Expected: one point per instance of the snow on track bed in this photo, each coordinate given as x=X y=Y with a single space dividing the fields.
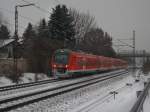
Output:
x=13 y=89
x=15 y=100
x=101 y=101
x=17 y=86
x=53 y=101
x=146 y=105
x=109 y=104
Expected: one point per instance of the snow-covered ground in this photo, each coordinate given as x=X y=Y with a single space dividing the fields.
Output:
x=123 y=101
x=95 y=98
x=146 y=105
x=26 y=77
x=32 y=77
x=5 y=81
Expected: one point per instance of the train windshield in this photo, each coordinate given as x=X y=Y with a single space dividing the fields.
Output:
x=61 y=58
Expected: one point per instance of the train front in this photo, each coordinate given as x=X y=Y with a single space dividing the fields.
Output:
x=60 y=63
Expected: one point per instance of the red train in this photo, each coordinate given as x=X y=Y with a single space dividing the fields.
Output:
x=67 y=63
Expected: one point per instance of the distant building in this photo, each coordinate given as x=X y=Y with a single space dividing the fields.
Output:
x=6 y=48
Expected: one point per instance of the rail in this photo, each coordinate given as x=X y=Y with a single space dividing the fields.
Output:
x=17 y=86
x=138 y=106
x=15 y=101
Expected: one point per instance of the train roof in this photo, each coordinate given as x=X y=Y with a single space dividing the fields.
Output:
x=83 y=53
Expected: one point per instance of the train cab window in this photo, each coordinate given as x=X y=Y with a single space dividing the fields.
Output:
x=61 y=58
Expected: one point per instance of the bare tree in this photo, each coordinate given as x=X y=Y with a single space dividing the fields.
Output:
x=97 y=42
x=83 y=22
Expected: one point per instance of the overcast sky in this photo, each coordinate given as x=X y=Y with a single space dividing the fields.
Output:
x=117 y=17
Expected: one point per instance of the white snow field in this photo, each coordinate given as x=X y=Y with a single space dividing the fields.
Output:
x=26 y=78
x=32 y=77
x=94 y=98
x=123 y=101
x=146 y=105
x=5 y=81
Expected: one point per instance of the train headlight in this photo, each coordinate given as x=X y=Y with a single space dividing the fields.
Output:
x=54 y=66
x=66 y=66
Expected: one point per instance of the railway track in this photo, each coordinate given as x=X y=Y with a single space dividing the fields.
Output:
x=11 y=102
x=98 y=101
x=13 y=89
x=6 y=90
x=17 y=86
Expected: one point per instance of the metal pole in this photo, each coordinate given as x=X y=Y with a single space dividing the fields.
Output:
x=16 y=38
x=16 y=22
x=134 y=59
x=15 y=42
x=144 y=56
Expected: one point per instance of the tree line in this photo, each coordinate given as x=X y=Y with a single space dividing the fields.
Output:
x=66 y=28
x=146 y=66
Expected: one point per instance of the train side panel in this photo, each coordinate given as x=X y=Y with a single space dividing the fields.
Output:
x=80 y=63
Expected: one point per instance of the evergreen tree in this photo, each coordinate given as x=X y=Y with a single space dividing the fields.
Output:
x=29 y=33
x=28 y=40
x=4 y=32
x=42 y=46
x=61 y=25
x=38 y=47
x=146 y=66
x=42 y=30
x=45 y=46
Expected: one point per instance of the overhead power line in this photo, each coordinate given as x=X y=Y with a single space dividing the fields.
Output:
x=125 y=43
x=11 y=12
x=38 y=7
